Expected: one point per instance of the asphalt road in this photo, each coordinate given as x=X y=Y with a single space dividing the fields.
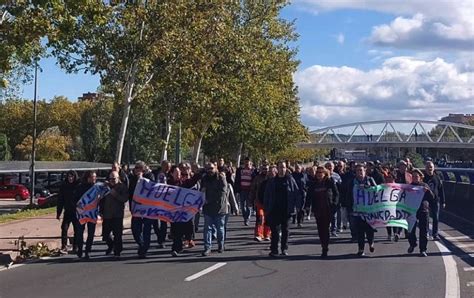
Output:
x=248 y=271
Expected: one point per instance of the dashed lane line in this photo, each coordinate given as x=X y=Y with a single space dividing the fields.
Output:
x=204 y=272
x=468 y=268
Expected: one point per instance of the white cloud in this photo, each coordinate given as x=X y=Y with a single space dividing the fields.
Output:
x=423 y=24
x=402 y=88
x=340 y=38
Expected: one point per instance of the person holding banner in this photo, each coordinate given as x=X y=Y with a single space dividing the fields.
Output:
x=422 y=215
x=141 y=227
x=215 y=209
x=363 y=229
x=88 y=180
x=111 y=207
x=181 y=229
x=324 y=196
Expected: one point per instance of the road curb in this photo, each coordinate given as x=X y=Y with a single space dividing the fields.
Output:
x=8 y=258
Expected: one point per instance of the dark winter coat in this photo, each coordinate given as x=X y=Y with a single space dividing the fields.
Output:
x=112 y=205
x=325 y=189
x=67 y=200
x=294 y=196
x=436 y=187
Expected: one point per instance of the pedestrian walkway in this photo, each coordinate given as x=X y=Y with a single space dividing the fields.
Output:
x=46 y=229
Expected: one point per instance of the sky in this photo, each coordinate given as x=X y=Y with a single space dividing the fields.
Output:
x=360 y=60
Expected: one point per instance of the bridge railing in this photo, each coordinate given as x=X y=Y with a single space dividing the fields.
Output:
x=458 y=186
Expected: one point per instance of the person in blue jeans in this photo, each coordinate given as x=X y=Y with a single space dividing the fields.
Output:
x=215 y=209
x=141 y=227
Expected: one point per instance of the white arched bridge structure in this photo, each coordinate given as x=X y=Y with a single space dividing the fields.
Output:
x=393 y=134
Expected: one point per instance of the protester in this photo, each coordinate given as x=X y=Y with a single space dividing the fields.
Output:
x=181 y=229
x=346 y=193
x=324 y=196
x=280 y=199
x=111 y=209
x=336 y=220
x=88 y=180
x=300 y=179
x=122 y=174
x=402 y=176
x=243 y=182
x=363 y=229
x=342 y=213
x=261 y=230
x=422 y=215
x=436 y=186
x=310 y=174
x=215 y=208
x=141 y=227
x=67 y=201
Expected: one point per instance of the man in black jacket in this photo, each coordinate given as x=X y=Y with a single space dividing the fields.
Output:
x=67 y=202
x=436 y=186
x=112 y=211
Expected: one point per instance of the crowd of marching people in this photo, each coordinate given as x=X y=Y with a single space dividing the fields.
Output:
x=278 y=195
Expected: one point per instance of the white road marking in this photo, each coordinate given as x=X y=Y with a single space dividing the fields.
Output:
x=11 y=267
x=468 y=268
x=457 y=238
x=464 y=245
x=470 y=284
x=205 y=271
x=452 y=276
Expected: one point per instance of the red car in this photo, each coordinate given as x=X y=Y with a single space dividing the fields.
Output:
x=17 y=191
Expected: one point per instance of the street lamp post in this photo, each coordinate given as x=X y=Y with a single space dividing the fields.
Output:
x=33 y=149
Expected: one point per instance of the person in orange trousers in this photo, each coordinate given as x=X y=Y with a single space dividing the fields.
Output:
x=262 y=230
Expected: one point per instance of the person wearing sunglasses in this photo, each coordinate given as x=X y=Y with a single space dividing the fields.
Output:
x=111 y=208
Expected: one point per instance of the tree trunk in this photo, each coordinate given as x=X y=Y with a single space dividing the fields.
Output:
x=164 y=152
x=197 y=148
x=126 y=113
x=198 y=142
x=239 y=155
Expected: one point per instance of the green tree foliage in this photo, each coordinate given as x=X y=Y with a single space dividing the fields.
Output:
x=50 y=146
x=95 y=131
x=221 y=68
x=4 y=148
x=22 y=26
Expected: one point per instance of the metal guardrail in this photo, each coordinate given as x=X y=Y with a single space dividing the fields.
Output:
x=458 y=186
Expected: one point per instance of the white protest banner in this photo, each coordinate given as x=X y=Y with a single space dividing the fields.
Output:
x=87 y=207
x=165 y=202
x=388 y=205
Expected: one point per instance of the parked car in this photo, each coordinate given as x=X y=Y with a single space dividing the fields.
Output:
x=17 y=191
x=54 y=187
x=49 y=201
x=41 y=191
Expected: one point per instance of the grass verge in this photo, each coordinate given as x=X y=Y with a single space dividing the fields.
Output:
x=27 y=212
